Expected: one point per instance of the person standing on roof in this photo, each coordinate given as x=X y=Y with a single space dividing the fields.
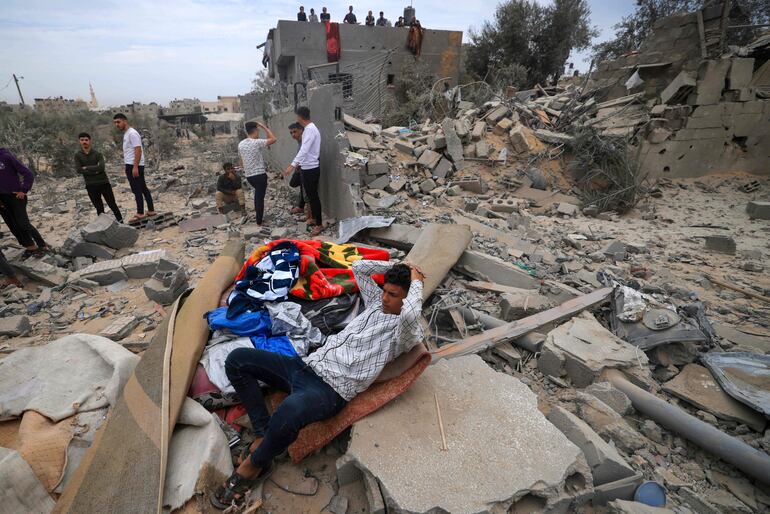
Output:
x=325 y=16
x=15 y=183
x=382 y=21
x=313 y=16
x=350 y=17
x=253 y=163
x=133 y=159
x=301 y=16
x=400 y=22
x=308 y=160
x=90 y=164
x=369 y=22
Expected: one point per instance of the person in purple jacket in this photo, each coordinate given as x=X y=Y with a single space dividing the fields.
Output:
x=15 y=182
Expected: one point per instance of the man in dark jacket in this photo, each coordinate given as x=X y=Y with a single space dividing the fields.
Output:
x=229 y=189
x=15 y=182
x=350 y=17
x=90 y=164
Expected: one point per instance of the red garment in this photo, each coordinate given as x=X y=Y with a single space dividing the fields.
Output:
x=333 y=48
x=325 y=268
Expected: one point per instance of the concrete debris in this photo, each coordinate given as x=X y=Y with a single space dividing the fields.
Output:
x=629 y=507
x=76 y=246
x=758 y=210
x=608 y=423
x=14 y=326
x=520 y=304
x=696 y=385
x=721 y=244
x=582 y=348
x=107 y=231
x=167 y=283
x=119 y=328
x=536 y=463
x=610 y=395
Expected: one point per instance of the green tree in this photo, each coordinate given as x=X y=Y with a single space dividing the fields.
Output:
x=526 y=33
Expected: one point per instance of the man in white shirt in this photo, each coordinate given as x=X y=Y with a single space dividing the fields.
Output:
x=133 y=159
x=253 y=163
x=308 y=160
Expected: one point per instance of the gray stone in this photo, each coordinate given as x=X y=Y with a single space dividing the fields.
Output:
x=582 y=348
x=377 y=166
x=443 y=169
x=711 y=81
x=567 y=209
x=611 y=396
x=503 y=126
x=454 y=147
x=380 y=182
x=552 y=137
x=15 y=326
x=105 y=272
x=382 y=202
x=337 y=505
x=518 y=305
x=607 y=465
x=740 y=74
x=40 y=271
x=608 y=423
x=679 y=88
x=498 y=113
x=721 y=244
x=120 y=327
x=107 y=231
x=479 y=129
x=76 y=246
x=373 y=495
x=439 y=142
x=474 y=185
x=652 y=431
x=758 y=210
x=400 y=445
x=521 y=139
x=429 y=159
x=481 y=266
x=622 y=489
x=462 y=129
x=143 y=264
x=168 y=282
x=615 y=250
x=483 y=149
x=396 y=185
x=81 y=263
x=428 y=185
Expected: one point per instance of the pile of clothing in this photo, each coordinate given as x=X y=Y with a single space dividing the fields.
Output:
x=288 y=296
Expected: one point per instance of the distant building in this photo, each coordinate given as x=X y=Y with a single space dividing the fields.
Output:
x=150 y=110
x=184 y=106
x=59 y=105
x=222 y=104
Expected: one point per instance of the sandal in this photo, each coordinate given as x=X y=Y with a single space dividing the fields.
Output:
x=233 y=493
x=137 y=218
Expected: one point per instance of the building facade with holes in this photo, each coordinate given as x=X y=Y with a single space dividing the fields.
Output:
x=372 y=60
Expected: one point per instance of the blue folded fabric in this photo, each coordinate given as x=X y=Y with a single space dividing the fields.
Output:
x=275 y=344
x=247 y=323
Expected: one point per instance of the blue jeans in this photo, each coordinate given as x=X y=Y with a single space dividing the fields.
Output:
x=310 y=398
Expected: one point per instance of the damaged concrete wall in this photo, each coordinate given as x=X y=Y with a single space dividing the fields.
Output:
x=338 y=197
x=297 y=45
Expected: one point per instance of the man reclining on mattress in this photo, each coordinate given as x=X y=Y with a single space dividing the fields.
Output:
x=320 y=384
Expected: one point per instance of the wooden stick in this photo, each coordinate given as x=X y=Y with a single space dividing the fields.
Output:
x=444 y=447
x=741 y=290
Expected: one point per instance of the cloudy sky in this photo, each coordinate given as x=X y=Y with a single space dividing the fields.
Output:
x=145 y=50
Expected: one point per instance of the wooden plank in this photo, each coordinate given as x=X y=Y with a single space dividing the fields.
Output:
x=492 y=287
x=518 y=328
x=743 y=291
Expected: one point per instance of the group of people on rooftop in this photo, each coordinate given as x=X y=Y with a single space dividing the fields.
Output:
x=350 y=18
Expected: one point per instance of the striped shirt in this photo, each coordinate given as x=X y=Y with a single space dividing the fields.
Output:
x=351 y=360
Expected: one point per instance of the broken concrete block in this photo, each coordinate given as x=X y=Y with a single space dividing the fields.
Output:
x=622 y=489
x=497 y=114
x=607 y=465
x=380 y=182
x=630 y=507
x=167 y=283
x=396 y=185
x=404 y=146
x=721 y=244
x=522 y=140
x=454 y=147
x=615 y=250
x=610 y=395
x=377 y=166
x=696 y=385
x=439 y=142
x=106 y=230
x=374 y=495
x=477 y=405
x=678 y=90
x=470 y=150
x=379 y=203
x=481 y=266
x=507 y=205
x=46 y=274
x=105 y=273
x=428 y=185
x=556 y=138
x=758 y=210
x=518 y=305
x=483 y=150
x=429 y=159
x=608 y=423
x=582 y=348
x=711 y=82
x=503 y=126
x=474 y=185
x=143 y=264
x=14 y=326
x=567 y=209
x=479 y=129
x=740 y=74
x=120 y=327
x=76 y=246
x=443 y=169
x=462 y=129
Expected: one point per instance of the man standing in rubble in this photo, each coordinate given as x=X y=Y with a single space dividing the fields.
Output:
x=322 y=383
x=133 y=159
x=90 y=164
x=15 y=183
x=253 y=163
x=350 y=17
x=308 y=161
x=229 y=189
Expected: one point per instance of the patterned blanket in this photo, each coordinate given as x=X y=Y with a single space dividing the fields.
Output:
x=325 y=268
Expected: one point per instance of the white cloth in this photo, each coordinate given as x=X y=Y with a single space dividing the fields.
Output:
x=313 y=17
x=250 y=151
x=310 y=150
x=351 y=360
x=213 y=361
x=132 y=139
x=287 y=319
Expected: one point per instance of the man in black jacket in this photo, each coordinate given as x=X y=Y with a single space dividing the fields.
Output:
x=90 y=164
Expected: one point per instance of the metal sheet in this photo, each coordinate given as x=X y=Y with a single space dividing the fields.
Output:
x=744 y=376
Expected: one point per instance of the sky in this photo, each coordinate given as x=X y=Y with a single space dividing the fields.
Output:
x=158 y=50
